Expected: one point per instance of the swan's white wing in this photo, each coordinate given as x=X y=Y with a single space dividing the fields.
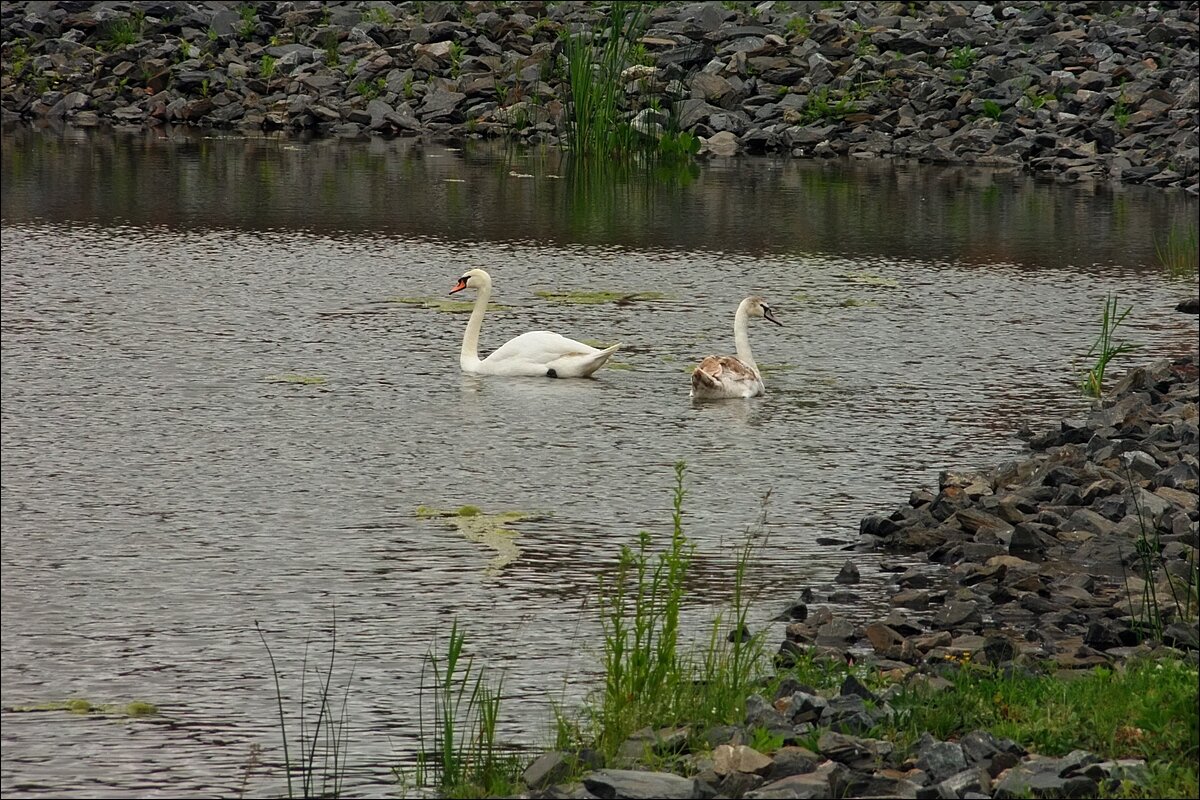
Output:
x=540 y=347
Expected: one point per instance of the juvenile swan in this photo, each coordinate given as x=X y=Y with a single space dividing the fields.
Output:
x=537 y=354
x=726 y=376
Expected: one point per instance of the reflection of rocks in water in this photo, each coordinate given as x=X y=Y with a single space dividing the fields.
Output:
x=486 y=529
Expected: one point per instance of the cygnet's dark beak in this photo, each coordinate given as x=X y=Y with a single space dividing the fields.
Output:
x=769 y=315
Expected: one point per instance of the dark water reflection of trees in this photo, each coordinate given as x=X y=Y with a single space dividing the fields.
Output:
x=489 y=192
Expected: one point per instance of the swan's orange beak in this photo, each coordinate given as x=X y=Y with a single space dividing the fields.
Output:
x=458 y=287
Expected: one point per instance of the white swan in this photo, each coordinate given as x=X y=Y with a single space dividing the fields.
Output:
x=726 y=376
x=538 y=354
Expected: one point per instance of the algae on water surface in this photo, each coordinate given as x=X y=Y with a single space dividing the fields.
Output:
x=489 y=530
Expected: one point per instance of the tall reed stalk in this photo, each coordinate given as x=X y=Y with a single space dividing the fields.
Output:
x=1153 y=612
x=1106 y=348
x=595 y=60
x=323 y=743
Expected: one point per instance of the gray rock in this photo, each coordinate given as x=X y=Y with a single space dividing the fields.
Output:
x=1041 y=779
x=805 y=707
x=957 y=614
x=836 y=631
x=792 y=761
x=968 y=783
x=637 y=785
x=440 y=103
x=808 y=786
x=548 y=768
x=761 y=714
x=942 y=760
x=1181 y=635
x=849 y=573
x=852 y=751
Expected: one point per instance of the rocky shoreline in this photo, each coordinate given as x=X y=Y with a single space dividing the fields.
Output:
x=1076 y=91
x=1034 y=564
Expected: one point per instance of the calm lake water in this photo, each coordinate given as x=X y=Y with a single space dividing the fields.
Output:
x=161 y=493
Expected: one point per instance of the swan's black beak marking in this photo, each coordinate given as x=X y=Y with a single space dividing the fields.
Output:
x=458 y=287
x=769 y=315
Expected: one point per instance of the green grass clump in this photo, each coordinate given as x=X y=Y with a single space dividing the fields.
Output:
x=992 y=109
x=369 y=90
x=963 y=57
x=1106 y=348
x=380 y=16
x=121 y=32
x=594 y=124
x=1145 y=709
x=648 y=681
x=459 y=751
x=799 y=26
x=821 y=107
x=1179 y=252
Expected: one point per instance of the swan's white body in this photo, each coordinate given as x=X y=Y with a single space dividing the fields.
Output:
x=720 y=377
x=537 y=354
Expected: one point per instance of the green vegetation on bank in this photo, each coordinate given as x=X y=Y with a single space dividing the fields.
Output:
x=655 y=688
x=600 y=123
x=595 y=61
x=649 y=680
x=1145 y=709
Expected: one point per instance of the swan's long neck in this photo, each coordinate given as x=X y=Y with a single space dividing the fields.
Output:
x=469 y=355
x=741 y=338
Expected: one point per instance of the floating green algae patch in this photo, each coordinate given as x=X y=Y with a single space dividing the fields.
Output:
x=771 y=369
x=440 y=304
x=854 y=302
x=84 y=707
x=592 y=298
x=291 y=377
x=488 y=530
x=867 y=279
